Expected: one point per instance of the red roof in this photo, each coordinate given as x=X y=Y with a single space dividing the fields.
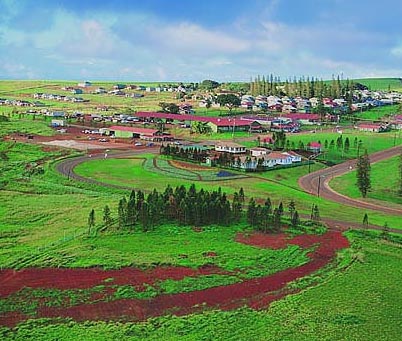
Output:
x=314 y=145
x=370 y=125
x=219 y=121
x=301 y=116
x=134 y=129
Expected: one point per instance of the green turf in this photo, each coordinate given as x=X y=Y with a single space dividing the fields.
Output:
x=384 y=182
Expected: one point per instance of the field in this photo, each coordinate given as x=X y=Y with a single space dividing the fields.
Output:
x=61 y=280
x=385 y=84
x=384 y=180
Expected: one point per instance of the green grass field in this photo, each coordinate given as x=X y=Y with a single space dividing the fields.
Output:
x=384 y=182
x=43 y=222
x=385 y=84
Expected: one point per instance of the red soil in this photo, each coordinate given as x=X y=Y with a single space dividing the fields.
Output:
x=256 y=293
x=12 y=281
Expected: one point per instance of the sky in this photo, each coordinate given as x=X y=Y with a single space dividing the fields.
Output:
x=193 y=40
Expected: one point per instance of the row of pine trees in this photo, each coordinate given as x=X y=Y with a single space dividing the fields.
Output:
x=193 y=207
x=304 y=87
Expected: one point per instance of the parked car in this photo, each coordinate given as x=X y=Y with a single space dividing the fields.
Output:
x=103 y=140
x=138 y=144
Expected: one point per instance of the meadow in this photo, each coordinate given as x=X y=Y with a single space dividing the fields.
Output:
x=44 y=223
x=384 y=178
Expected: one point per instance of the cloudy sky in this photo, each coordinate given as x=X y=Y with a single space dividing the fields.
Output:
x=192 y=40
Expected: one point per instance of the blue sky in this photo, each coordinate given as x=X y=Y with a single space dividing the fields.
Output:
x=192 y=40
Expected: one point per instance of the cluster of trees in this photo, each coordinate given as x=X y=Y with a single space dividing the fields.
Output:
x=179 y=205
x=171 y=108
x=304 y=87
x=194 y=154
x=266 y=218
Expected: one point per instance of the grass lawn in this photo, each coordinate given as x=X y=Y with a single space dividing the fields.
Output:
x=384 y=182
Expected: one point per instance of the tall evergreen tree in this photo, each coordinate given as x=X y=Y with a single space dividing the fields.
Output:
x=363 y=174
x=107 y=217
x=91 y=221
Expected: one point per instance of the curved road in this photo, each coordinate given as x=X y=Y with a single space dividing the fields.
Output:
x=317 y=183
x=66 y=166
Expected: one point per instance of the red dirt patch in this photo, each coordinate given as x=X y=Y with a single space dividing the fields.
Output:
x=189 y=166
x=12 y=281
x=263 y=240
x=256 y=293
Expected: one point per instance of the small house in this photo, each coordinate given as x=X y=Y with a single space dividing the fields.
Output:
x=230 y=147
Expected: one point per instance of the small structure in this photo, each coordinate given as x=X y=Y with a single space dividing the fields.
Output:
x=314 y=147
x=372 y=127
x=258 y=151
x=58 y=123
x=85 y=84
x=230 y=147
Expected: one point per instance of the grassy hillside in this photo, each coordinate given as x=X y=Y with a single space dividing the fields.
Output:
x=393 y=84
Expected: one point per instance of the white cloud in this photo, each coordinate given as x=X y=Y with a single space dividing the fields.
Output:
x=193 y=39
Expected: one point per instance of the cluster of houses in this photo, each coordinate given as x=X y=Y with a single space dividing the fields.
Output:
x=16 y=102
x=58 y=97
x=362 y=100
x=253 y=158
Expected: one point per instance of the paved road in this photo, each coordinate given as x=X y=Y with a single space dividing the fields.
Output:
x=317 y=183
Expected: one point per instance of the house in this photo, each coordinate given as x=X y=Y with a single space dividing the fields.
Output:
x=227 y=124
x=258 y=151
x=230 y=147
x=84 y=84
x=77 y=91
x=372 y=127
x=279 y=158
x=58 y=123
x=57 y=114
x=294 y=156
x=314 y=147
x=119 y=86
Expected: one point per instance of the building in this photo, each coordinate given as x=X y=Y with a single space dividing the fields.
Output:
x=372 y=127
x=230 y=147
x=133 y=132
x=258 y=151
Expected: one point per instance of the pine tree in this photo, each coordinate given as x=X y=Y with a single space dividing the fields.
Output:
x=91 y=221
x=365 y=221
x=363 y=174
x=107 y=218
x=295 y=221
x=346 y=145
x=251 y=212
x=122 y=213
x=291 y=208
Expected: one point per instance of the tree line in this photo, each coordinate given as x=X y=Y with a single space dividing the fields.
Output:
x=194 y=207
x=303 y=87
